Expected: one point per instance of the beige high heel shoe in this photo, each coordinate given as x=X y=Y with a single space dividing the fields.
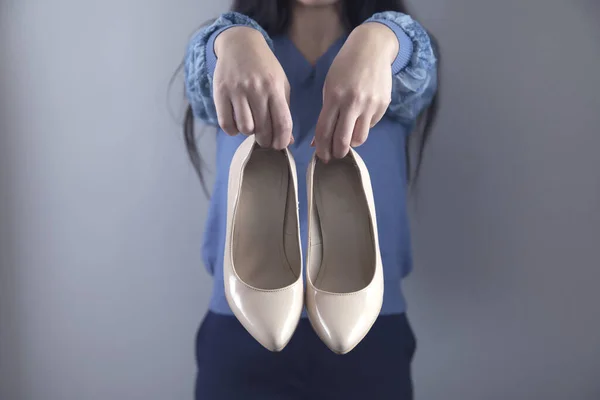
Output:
x=344 y=290
x=263 y=262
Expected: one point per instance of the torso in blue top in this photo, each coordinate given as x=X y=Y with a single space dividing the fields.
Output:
x=383 y=153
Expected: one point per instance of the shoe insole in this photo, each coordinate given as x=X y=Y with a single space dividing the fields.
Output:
x=266 y=252
x=348 y=262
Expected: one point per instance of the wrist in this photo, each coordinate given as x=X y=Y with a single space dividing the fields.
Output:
x=235 y=36
x=378 y=37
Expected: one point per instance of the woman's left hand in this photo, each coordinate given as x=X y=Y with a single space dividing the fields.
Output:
x=357 y=90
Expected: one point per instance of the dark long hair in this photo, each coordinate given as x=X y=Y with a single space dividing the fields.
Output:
x=274 y=16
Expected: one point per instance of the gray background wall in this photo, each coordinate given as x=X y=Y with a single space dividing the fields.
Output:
x=101 y=284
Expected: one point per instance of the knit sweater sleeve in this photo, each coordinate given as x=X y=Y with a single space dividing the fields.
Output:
x=414 y=70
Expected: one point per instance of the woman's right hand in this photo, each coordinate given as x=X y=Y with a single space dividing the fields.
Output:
x=251 y=90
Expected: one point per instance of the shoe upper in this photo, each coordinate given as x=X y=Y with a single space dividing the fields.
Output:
x=341 y=311
x=262 y=268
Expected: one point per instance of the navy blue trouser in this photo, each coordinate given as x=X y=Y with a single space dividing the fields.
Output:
x=233 y=366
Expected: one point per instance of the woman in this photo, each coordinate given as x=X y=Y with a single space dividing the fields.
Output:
x=331 y=74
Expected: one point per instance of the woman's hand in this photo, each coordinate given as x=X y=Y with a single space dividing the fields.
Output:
x=357 y=90
x=251 y=90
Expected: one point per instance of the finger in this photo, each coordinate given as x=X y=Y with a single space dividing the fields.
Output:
x=361 y=130
x=342 y=135
x=225 y=113
x=379 y=113
x=259 y=104
x=281 y=121
x=287 y=99
x=243 y=115
x=324 y=131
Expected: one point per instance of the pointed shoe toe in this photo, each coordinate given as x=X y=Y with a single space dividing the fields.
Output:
x=342 y=321
x=270 y=317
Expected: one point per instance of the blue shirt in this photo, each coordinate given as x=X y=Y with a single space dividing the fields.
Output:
x=414 y=85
